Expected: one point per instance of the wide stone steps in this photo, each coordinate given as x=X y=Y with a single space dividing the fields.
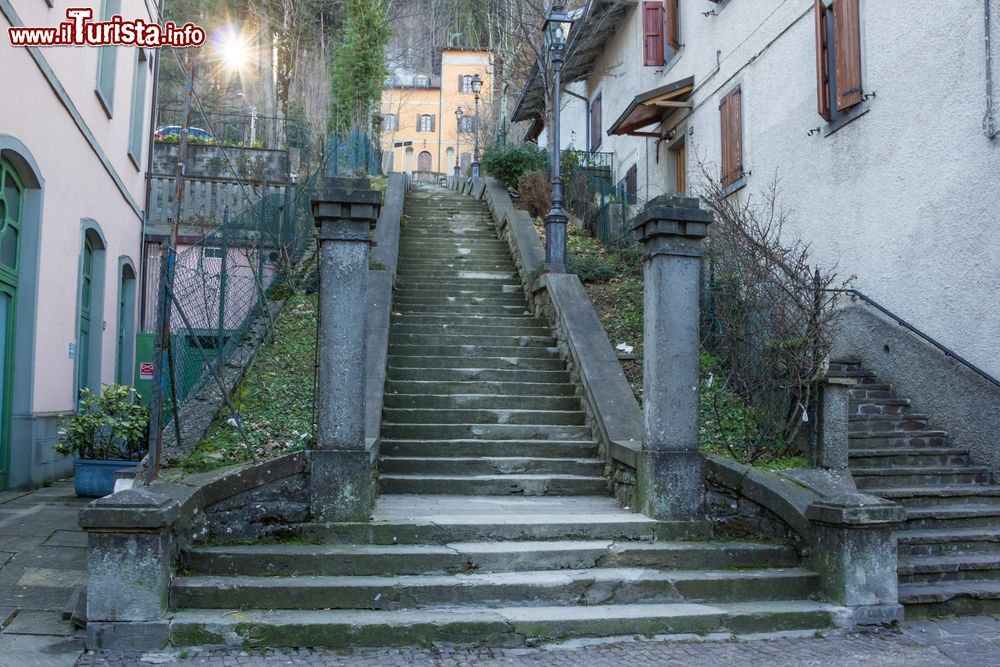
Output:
x=968 y=597
x=470 y=374
x=567 y=449
x=466 y=465
x=463 y=362
x=495 y=485
x=957 y=567
x=482 y=402
x=879 y=478
x=880 y=458
x=910 y=440
x=474 y=350
x=471 y=341
x=970 y=515
x=470 y=417
x=488 y=431
x=948 y=542
x=486 y=626
x=494 y=387
x=439 y=331
x=943 y=496
x=887 y=423
x=294 y=560
x=593 y=586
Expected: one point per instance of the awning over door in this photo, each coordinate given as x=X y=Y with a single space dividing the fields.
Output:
x=651 y=108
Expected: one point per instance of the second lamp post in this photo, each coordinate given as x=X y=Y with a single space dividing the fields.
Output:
x=557 y=27
x=477 y=85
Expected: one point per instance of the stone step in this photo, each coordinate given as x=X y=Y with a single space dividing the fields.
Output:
x=424 y=299
x=441 y=290
x=887 y=423
x=462 y=362
x=486 y=321
x=595 y=586
x=513 y=310
x=862 y=376
x=494 y=485
x=415 y=255
x=910 y=440
x=942 y=496
x=880 y=478
x=961 y=567
x=475 y=332
x=492 y=465
x=444 y=519
x=457 y=275
x=873 y=392
x=948 y=542
x=487 y=431
x=481 y=401
x=455 y=267
x=501 y=448
x=360 y=560
x=469 y=374
x=493 y=387
x=482 y=416
x=495 y=351
x=965 y=598
x=471 y=341
x=879 y=458
x=964 y=516
x=483 y=626
x=879 y=406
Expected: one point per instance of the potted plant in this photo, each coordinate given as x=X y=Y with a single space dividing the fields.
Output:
x=107 y=434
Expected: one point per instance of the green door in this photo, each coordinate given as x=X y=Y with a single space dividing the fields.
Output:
x=86 y=302
x=11 y=211
x=122 y=314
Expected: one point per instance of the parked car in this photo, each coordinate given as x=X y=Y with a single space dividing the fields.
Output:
x=193 y=132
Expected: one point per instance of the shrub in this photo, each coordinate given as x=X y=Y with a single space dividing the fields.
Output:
x=591 y=268
x=508 y=163
x=536 y=193
x=108 y=427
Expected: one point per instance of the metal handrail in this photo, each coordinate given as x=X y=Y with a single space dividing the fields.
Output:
x=906 y=325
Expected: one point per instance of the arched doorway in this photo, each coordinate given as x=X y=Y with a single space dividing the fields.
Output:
x=11 y=222
x=125 y=348
x=425 y=162
x=90 y=314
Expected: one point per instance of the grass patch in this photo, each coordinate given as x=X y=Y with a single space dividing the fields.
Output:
x=275 y=399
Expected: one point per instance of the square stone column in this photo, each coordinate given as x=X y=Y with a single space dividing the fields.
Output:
x=834 y=424
x=671 y=481
x=342 y=474
x=129 y=552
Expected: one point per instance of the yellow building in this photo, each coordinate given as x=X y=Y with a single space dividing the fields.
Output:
x=420 y=129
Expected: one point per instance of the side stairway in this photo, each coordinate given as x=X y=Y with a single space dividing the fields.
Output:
x=949 y=549
x=495 y=525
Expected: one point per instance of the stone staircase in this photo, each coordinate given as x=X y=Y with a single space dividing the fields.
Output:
x=495 y=525
x=949 y=549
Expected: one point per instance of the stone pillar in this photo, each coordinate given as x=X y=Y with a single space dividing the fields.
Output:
x=129 y=550
x=342 y=483
x=671 y=483
x=834 y=424
x=854 y=552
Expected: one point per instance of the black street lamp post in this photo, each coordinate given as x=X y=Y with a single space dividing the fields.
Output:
x=477 y=85
x=458 y=144
x=557 y=27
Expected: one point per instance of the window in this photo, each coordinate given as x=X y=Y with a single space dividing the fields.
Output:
x=595 y=124
x=421 y=81
x=628 y=187
x=425 y=123
x=467 y=125
x=838 y=58
x=210 y=252
x=138 y=107
x=390 y=123
x=731 y=116
x=680 y=167
x=661 y=31
x=107 y=58
x=465 y=83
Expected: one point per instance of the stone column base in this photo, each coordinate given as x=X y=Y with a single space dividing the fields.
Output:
x=341 y=485
x=671 y=485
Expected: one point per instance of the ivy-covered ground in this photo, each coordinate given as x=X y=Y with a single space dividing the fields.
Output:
x=275 y=399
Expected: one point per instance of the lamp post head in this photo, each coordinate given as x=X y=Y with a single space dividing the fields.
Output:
x=556 y=29
x=477 y=84
x=459 y=113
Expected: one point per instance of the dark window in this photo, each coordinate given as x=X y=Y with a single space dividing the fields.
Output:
x=390 y=122
x=596 y=124
x=731 y=118
x=838 y=57
x=465 y=83
x=467 y=125
x=425 y=123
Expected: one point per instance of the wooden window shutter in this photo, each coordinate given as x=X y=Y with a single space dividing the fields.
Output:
x=673 y=24
x=731 y=121
x=595 y=124
x=652 y=32
x=433 y=118
x=823 y=62
x=847 y=47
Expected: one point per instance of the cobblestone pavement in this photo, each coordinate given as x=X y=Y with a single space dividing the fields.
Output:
x=967 y=641
x=43 y=559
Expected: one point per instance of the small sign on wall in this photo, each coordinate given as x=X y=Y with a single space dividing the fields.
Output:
x=146 y=370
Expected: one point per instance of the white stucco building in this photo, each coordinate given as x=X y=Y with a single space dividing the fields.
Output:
x=875 y=115
x=74 y=136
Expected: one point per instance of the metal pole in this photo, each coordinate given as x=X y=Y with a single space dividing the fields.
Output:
x=475 y=143
x=169 y=254
x=555 y=220
x=220 y=341
x=458 y=149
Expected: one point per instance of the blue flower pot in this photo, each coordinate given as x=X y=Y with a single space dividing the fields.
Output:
x=96 y=479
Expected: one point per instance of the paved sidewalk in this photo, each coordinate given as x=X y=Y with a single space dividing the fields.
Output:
x=967 y=642
x=43 y=557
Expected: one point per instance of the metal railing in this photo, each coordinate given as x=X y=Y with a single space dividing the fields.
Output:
x=948 y=352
